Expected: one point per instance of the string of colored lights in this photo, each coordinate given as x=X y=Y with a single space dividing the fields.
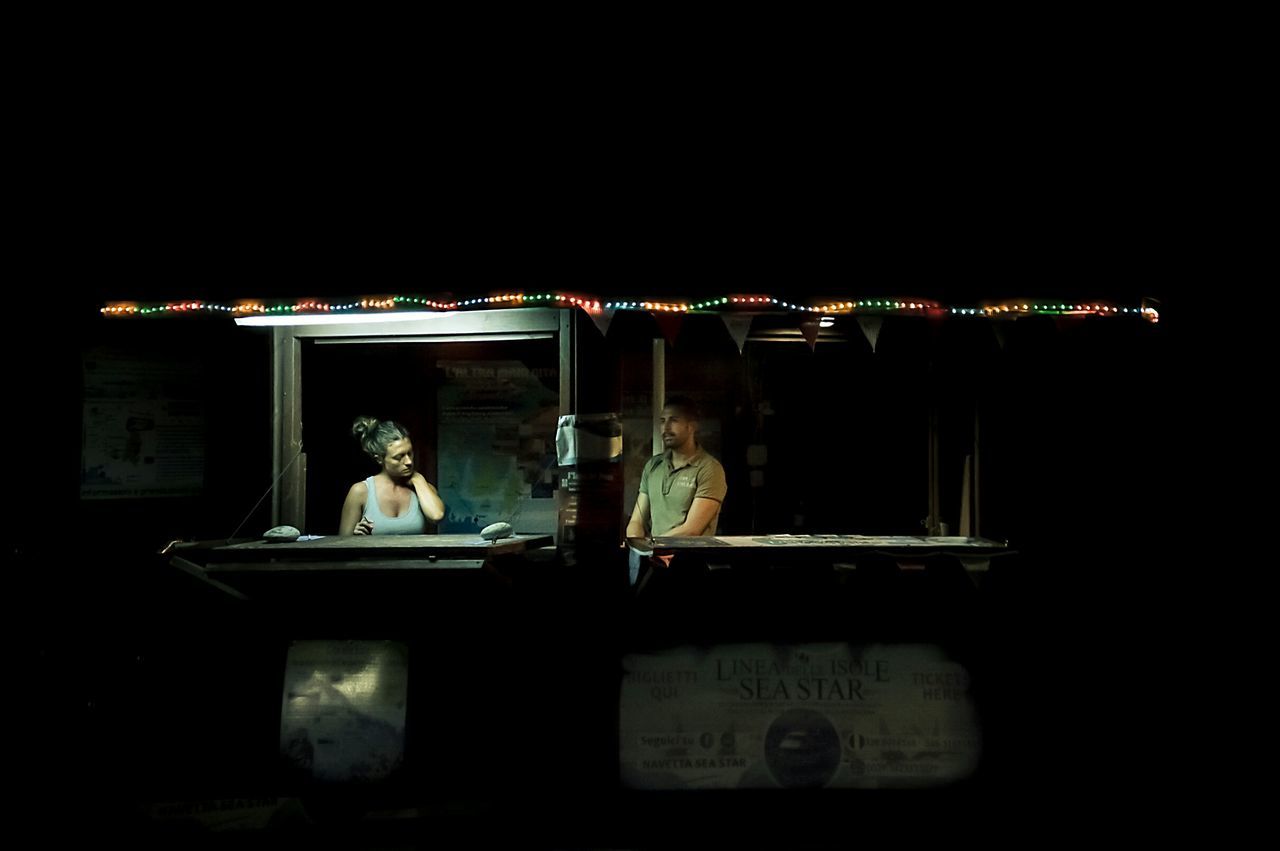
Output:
x=593 y=305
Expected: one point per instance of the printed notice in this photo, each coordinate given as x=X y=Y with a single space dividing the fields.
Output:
x=143 y=428
x=796 y=717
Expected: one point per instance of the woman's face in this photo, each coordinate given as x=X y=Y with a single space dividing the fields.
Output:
x=398 y=462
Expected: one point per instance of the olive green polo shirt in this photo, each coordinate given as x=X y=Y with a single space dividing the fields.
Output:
x=671 y=490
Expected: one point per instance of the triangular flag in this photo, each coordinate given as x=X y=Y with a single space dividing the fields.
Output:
x=602 y=318
x=739 y=326
x=871 y=328
x=669 y=324
x=810 y=329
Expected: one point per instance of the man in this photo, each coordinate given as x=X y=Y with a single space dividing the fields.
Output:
x=682 y=489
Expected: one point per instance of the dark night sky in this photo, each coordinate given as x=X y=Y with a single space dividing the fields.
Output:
x=167 y=180
x=151 y=189
x=219 y=209
x=954 y=262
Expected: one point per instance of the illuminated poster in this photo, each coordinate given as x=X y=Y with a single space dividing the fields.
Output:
x=343 y=712
x=496 y=453
x=758 y=716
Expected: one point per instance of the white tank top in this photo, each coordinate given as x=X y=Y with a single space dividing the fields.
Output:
x=412 y=522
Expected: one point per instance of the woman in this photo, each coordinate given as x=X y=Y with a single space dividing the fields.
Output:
x=398 y=500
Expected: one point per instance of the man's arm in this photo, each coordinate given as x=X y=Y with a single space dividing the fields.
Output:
x=638 y=525
x=700 y=515
x=707 y=499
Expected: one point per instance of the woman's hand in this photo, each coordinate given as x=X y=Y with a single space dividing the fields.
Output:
x=364 y=527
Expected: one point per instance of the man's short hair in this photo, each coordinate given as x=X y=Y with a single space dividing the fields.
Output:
x=685 y=406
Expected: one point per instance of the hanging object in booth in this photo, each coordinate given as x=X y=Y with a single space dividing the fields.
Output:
x=257 y=312
x=602 y=319
x=739 y=326
x=583 y=438
x=870 y=326
x=809 y=329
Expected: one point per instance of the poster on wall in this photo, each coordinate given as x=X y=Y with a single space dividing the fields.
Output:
x=143 y=424
x=496 y=452
x=781 y=716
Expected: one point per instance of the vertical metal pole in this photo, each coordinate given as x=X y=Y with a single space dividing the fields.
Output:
x=933 y=525
x=289 y=497
x=566 y=363
x=976 y=500
x=277 y=394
